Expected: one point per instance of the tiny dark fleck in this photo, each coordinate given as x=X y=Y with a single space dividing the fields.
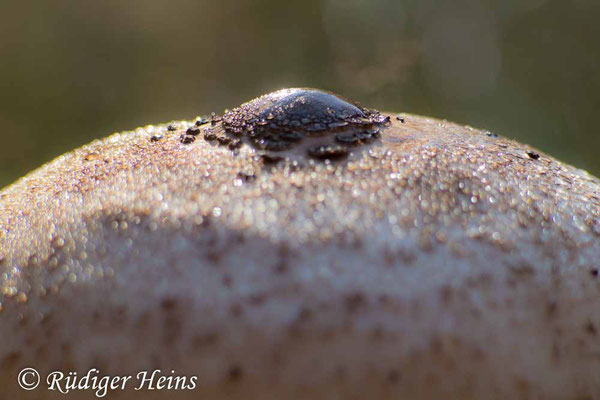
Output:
x=522 y=385
x=246 y=177
x=156 y=138
x=214 y=255
x=187 y=139
x=168 y=303
x=591 y=328
x=393 y=377
x=271 y=159
x=555 y=352
x=522 y=271
x=201 y=121
x=595 y=272
x=207 y=339
x=384 y=299
x=490 y=134
x=340 y=373
x=170 y=128
x=193 y=131
x=281 y=268
x=304 y=314
x=551 y=309
x=236 y=310
x=257 y=299
x=354 y=302
x=235 y=373
x=376 y=333
x=533 y=155
x=10 y=359
x=446 y=294
x=400 y=118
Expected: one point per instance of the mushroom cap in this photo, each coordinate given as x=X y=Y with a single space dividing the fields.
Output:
x=438 y=262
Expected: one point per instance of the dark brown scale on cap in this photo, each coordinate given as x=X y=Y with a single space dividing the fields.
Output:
x=187 y=139
x=193 y=131
x=289 y=118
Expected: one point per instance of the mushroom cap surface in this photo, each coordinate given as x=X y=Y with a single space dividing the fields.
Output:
x=439 y=261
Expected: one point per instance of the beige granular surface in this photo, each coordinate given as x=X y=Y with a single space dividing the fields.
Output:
x=437 y=262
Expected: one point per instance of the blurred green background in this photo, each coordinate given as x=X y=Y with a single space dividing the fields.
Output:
x=75 y=70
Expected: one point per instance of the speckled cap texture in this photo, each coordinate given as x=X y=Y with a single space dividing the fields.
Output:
x=417 y=259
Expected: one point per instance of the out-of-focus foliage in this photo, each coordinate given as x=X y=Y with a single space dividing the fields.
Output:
x=74 y=70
